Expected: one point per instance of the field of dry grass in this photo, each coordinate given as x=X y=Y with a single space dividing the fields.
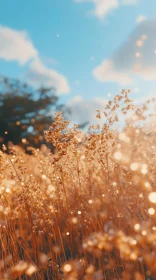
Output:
x=87 y=211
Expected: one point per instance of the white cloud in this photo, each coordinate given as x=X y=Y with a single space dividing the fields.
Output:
x=140 y=18
x=101 y=7
x=147 y=73
x=38 y=75
x=104 y=7
x=130 y=2
x=125 y=66
x=105 y=72
x=16 y=46
x=85 y=110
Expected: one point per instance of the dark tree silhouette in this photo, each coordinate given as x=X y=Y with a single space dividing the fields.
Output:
x=25 y=112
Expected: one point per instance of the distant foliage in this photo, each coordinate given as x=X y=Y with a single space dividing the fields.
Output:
x=25 y=112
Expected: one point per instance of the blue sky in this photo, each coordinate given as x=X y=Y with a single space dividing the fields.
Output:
x=79 y=46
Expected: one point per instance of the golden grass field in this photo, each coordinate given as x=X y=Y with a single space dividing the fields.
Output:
x=88 y=210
